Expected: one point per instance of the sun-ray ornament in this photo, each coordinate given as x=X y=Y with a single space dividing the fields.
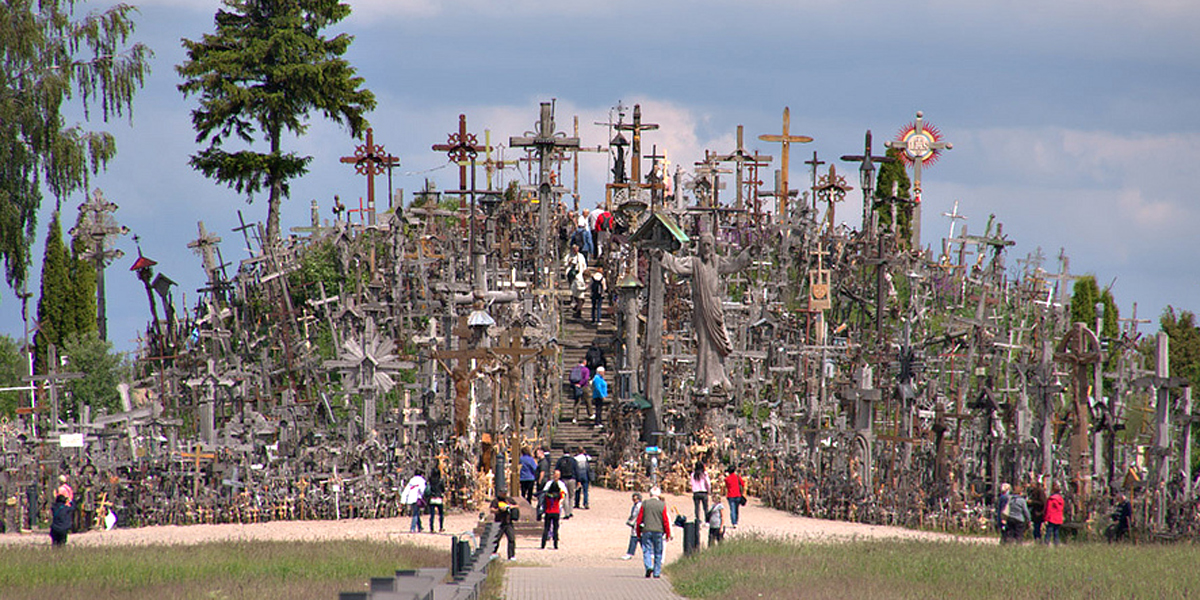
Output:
x=921 y=144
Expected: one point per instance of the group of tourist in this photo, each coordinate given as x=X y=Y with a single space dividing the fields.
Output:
x=1018 y=510
x=555 y=490
x=589 y=387
x=593 y=230
x=420 y=495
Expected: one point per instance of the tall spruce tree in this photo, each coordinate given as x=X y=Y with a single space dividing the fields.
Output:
x=48 y=57
x=261 y=73
x=67 y=305
x=889 y=174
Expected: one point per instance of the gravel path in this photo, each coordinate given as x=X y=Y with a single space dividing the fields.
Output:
x=595 y=537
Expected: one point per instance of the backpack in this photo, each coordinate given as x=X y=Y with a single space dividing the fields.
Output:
x=514 y=513
x=604 y=221
x=577 y=375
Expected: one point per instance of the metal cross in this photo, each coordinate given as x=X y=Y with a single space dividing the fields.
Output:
x=920 y=146
x=786 y=139
x=866 y=177
x=369 y=159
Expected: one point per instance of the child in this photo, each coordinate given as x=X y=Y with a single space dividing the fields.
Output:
x=632 y=523
x=716 y=522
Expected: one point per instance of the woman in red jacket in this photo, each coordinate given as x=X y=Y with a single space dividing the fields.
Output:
x=1054 y=514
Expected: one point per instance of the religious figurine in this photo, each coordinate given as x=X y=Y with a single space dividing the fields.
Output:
x=708 y=316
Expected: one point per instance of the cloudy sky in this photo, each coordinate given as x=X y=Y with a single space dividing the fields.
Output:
x=1076 y=123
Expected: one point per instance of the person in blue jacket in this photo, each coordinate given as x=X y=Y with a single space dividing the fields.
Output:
x=528 y=475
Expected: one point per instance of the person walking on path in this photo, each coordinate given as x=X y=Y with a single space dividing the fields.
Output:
x=716 y=522
x=1054 y=514
x=599 y=396
x=653 y=527
x=735 y=492
x=435 y=497
x=60 y=523
x=553 y=495
x=528 y=475
x=566 y=468
x=596 y=289
x=574 y=264
x=583 y=476
x=503 y=509
x=700 y=487
x=632 y=523
x=544 y=473
x=579 y=377
x=413 y=497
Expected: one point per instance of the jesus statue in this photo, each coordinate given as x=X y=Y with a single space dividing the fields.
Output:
x=708 y=316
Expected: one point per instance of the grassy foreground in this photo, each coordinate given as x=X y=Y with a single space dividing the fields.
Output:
x=751 y=568
x=218 y=571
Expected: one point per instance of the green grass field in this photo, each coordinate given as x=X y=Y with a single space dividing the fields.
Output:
x=228 y=570
x=752 y=568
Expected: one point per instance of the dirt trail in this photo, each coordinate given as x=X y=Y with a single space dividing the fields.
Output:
x=593 y=537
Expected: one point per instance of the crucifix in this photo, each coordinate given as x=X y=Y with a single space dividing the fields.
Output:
x=709 y=184
x=369 y=159
x=741 y=157
x=919 y=144
x=637 y=127
x=786 y=139
x=819 y=300
x=866 y=178
x=1079 y=348
x=545 y=142
x=100 y=227
x=206 y=245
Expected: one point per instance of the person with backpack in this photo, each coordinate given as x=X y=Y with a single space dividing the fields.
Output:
x=583 y=475
x=602 y=229
x=579 y=378
x=506 y=513
x=566 y=468
x=574 y=265
x=597 y=289
x=553 y=494
x=413 y=497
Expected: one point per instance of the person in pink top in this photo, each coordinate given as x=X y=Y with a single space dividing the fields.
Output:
x=1054 y=514
x=64 y=489
x=700 y=488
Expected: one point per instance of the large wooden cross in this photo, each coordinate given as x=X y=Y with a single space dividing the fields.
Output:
x=545 y=142
x=461 y=147
x=369 y=159
x=786 y=139
x=637 y=127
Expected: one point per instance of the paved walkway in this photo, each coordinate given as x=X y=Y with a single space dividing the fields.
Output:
x=584 y=583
